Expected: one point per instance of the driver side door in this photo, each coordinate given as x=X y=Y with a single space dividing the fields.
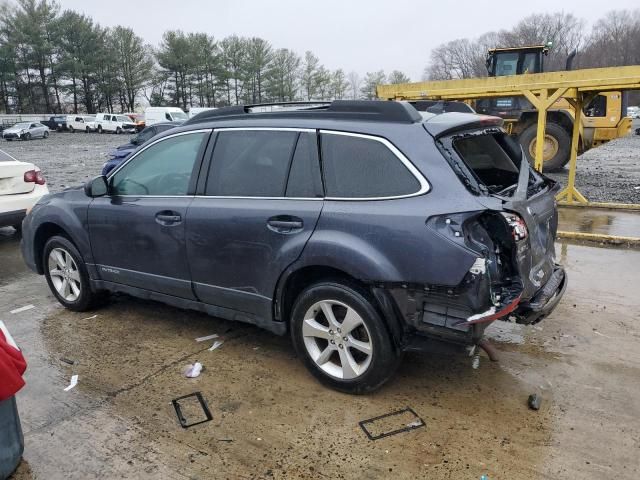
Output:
x=137 y=231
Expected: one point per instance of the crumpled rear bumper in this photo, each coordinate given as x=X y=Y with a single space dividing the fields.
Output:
x=544 y=301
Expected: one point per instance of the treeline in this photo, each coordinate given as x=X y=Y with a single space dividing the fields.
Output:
x=57 y=61
x=614 y=40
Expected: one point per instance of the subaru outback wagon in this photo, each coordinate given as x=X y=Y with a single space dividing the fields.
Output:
x=363 y=229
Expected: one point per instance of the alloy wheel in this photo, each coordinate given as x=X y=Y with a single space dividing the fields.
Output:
x=337 y=339
x=64 y=274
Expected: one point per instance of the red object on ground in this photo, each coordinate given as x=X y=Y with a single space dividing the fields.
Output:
x=12 y=366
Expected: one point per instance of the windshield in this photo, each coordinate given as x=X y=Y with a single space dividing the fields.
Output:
x=22 y=125
x=179 y=115
x=122 y=118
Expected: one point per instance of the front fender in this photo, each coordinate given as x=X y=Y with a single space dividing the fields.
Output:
x=65 y=211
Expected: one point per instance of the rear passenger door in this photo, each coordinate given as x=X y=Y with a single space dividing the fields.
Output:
x=253 y=215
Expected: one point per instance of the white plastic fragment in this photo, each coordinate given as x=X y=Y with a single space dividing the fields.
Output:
x=208 y=337
x=91 y=317
x=491 y=311
x=22 y=309
x=74 y=382
x=216 y=344
x=415 y=423
x=193 y=371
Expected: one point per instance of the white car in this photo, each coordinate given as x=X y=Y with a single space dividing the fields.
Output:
x=81 y=123
x=25 y=131
x=21 y=186
x=109 y=122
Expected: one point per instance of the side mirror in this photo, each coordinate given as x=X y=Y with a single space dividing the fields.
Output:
x=97 y=187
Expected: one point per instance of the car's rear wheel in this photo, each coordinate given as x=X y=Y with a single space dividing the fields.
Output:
x=67 y=275
x=71 y=129
x=342 y=338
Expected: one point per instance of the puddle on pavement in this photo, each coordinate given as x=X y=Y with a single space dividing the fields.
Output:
x=600 y=221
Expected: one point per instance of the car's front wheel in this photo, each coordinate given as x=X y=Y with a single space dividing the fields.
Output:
x=99 y=128
x=342 y=338
x=45 y=134
x=67 y=275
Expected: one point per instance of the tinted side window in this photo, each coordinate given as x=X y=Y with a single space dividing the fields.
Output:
x=162 y=169
x=251 y=163
x=304 y=177
x=356 y=167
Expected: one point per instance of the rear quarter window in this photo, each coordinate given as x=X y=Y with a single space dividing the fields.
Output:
x=363 y=167
x=492 y=157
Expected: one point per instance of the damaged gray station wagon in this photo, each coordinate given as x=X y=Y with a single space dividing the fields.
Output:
x=364 y=229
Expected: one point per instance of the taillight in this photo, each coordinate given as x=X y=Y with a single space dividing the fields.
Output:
x=518 y=227
x=34 y=176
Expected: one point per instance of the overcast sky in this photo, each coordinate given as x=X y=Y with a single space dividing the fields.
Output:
x=360 y=35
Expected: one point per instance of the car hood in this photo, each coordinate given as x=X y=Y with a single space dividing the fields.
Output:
x=14 y=129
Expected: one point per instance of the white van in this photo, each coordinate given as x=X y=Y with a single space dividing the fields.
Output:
x=196 y=110
x=81 y=123
x=109 y=122
x=164 y=114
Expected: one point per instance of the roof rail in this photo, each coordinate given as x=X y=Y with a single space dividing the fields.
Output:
x=368 y=110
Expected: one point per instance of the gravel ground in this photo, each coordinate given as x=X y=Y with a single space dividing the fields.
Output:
x=610 y=173
x=66 y=159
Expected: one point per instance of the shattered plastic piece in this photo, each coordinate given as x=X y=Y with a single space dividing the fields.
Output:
x=477 y=316
x=479 y=267
x=534 y=401
x=193 y=371
x=414 y=424
x=208 y=337
x=484 y=477
x=91 y=317
x=22 y=309
x=216 y=344
x=74 y=382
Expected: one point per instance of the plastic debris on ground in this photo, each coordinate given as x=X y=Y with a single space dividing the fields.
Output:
x=22 y=309
x=74 y=382
x=216 y=344
x=192 y=371
x=208 y=337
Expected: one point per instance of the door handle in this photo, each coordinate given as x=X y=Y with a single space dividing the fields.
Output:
x=168 y=218
x=285 y=224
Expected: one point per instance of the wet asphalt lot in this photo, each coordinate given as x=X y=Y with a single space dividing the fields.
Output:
x=272 y=420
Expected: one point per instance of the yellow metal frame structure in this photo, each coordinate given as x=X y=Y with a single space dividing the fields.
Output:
x=541 y=89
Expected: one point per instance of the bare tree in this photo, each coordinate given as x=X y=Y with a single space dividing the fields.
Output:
x=397 y=76
x=354 y=84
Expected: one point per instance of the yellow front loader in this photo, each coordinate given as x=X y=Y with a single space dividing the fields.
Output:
x=604 y=112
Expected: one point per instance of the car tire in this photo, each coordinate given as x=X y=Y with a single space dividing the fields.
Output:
x=336 y=357
x=62 y=257
x=560 y=138
x=86 y=130
x=99 y=128
x=118 y=130
x=45 y=134
x=72 y=130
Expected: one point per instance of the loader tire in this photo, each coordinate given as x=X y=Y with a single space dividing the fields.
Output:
x=557 y=146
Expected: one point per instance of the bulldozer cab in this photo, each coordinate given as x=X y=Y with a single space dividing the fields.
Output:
x=516 y=61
